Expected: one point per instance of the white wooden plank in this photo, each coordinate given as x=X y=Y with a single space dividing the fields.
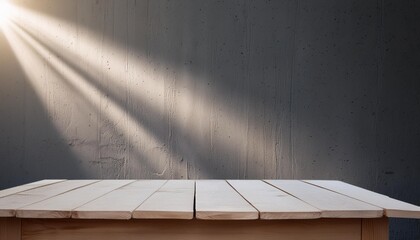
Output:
x=120 y=203
x=175 y=200
x=273 y=203
x=9 y=204
x=393 y=207
x=332 y=205
x=61 y=205
x=216 y=199
x=21 y=188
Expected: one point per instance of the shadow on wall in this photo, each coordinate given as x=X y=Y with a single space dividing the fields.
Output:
x=215 y=97
x=218 y=89
x=215 y=120
x=210 y=85
x=211 y=82
x=29 y=150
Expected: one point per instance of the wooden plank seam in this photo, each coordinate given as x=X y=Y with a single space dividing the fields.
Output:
x=272 y=202
x=71 y=212
x=53 y=196
x=259 y=213
x=345 y=194
x=343 y=207
x=132 y=212
x=195 y=200
x=66 y=210
x=292 y=195
x=216 y=199
x=391 y=207
x=32 y=188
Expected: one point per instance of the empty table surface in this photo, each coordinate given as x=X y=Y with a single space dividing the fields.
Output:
x=202 y=199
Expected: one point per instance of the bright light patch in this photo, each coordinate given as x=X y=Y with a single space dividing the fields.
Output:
x=5 y=12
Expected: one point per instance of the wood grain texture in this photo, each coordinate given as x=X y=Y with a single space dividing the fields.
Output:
x=175 y=200
x=10 y=229
x=69 y=229
x=216 y=199
x=9 y=204
x=273 y=203
x=331 y=204
x=375 y=229
x=28 y=186
x=120 y=203
x=392 y=207
x=60 y=206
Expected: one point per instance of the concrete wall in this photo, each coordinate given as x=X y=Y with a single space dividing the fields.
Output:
x=214 y=89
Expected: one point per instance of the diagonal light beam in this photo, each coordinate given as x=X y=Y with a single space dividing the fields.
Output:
x=114 y=112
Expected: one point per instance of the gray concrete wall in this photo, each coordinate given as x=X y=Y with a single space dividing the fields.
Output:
x=214 y=89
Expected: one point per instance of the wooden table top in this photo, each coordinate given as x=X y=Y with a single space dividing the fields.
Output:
x=202 y=199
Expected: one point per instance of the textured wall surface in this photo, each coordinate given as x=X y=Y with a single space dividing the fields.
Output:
x=214 y=89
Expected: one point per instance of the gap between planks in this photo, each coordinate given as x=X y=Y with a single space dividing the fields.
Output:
x=174 y=200
x=10 y=205
x=271 y=202
x=331 y=204
x=28 y=186
x=217 y=200
x=60 y=206
x=128 y=197
x=392 y=207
